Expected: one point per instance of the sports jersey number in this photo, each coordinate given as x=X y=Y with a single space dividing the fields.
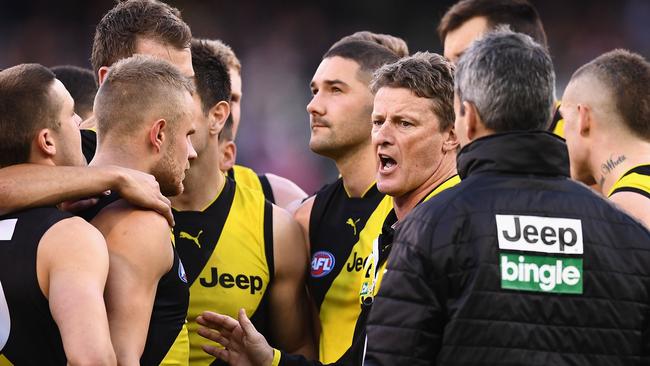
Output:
x=5 y=321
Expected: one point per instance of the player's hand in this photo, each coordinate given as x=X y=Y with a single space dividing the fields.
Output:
x=244 y=345
x=142 y=189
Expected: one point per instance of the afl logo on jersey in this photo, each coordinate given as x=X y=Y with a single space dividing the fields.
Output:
x=322 y=263
x=181 y=272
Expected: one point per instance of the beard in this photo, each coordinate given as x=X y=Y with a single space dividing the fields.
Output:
x=169 y=174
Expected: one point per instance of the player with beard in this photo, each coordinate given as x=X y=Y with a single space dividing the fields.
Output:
x=145 y=113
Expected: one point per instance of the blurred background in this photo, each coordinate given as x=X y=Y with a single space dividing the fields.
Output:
x=280 y=45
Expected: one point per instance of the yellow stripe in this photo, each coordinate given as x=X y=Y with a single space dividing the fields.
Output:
x=632 y=180
x=179 y=353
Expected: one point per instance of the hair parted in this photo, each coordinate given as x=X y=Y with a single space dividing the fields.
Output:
x=368 y=55
x=427 y=75
x=397 y=45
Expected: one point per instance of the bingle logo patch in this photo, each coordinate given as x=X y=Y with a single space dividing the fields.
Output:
x=541 y=273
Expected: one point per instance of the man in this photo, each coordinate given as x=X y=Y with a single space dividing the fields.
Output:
x=415 y=147
x=278 y=190
x=144 y=111
x=132 y=27
x=53 y=266
x=468 y=20
x=239 y=250
x=606 y=107
x=517 y=248
x=340 y=115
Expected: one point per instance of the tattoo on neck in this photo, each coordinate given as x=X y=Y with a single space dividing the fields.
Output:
x=601 y=181
x=611 y=163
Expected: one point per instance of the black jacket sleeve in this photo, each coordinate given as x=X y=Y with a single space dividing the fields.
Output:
x=406 y=322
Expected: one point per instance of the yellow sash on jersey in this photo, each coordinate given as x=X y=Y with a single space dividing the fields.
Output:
x=179 y=353
x=238 y=262
x=247 y=177
x=633 y=179
x=4 y=361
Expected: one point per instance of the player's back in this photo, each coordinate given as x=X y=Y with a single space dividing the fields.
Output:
x=28 y=333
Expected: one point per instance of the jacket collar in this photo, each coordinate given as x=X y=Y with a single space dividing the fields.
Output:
x=521 y=152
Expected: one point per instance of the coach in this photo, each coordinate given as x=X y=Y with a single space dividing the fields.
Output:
x=517 y=265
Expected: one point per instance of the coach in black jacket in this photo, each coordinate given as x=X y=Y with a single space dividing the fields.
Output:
x=517 y=265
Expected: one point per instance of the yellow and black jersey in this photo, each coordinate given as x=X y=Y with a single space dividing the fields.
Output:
x=557 y=124
x=227 y=249
x=248 y=178
x=336 y=223
x=635 y=180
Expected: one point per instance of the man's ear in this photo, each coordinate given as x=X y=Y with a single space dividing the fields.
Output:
x=217 y=117
x=584 y=119
x=44 y=144
x=228 y=155
x=451 y=143
x=472 y=120
x=158 y=134
x=101 y=74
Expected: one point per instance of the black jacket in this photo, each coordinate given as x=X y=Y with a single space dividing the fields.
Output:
x=474 y=274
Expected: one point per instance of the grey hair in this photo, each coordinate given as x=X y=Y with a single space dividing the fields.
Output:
x=510 y=79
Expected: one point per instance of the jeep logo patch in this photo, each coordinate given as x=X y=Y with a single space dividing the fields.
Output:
x=539 y=234
x=524 y=271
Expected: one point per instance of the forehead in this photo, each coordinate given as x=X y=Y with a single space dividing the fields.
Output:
x=402 y=101
x=235 y=81
x=181 y=58
x=337 y=68
x=459 y=39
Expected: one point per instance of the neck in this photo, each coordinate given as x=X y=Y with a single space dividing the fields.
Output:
x=120 y=157
x=405 y=203
x=358 y=169
x=613 y=160
x=203 y=182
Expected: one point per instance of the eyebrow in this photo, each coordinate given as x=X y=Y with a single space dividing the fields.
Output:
x=330 y=82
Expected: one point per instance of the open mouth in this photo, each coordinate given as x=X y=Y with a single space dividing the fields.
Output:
x=386 y=163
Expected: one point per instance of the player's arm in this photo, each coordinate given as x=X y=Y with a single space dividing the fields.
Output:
x=302 y=216
x=634 y=204
x=285 y=191
x=31 y=185
x=140 y=254
x=72 y=269
x=290 y=312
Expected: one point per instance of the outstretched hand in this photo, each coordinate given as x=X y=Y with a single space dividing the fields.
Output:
x=244 y=345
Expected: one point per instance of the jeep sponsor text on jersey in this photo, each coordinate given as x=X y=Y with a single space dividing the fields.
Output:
x=227 y=280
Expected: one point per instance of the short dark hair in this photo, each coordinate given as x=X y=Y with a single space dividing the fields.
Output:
x=397 y=45
x=427 y=75
x=26 y=106
x=368 y=55
x=81 y=84
x=627 y=76
x=134 y=89
x=520 y=15
x=210 y=74
x=117 y=32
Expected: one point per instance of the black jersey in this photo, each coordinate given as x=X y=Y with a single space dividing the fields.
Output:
x=88 y=144
x=28 y=333
x=170 y=304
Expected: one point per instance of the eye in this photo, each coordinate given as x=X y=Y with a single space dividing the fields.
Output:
x=336 y=90
x=377 y=122
x=405 y=123
x=314 y=91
